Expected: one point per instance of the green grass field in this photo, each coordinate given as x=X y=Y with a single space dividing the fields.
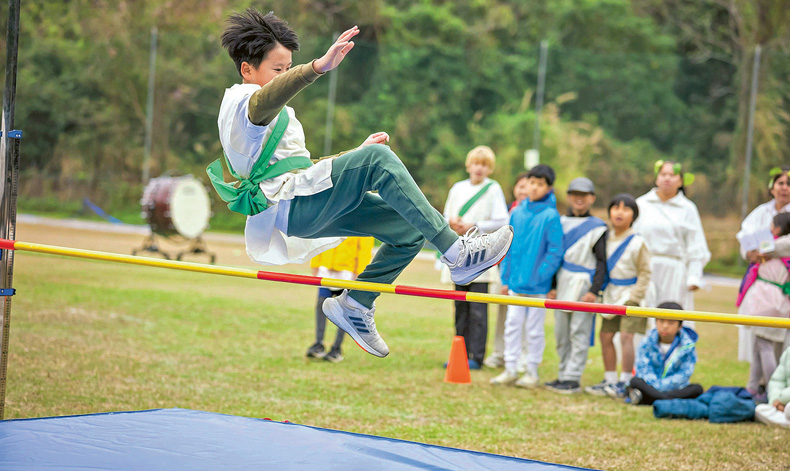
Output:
x=92 y=337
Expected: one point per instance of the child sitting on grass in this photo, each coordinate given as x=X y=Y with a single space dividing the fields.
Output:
x=777 y=411
x=665 y=363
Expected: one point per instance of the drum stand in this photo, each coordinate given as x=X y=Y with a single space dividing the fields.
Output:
x=149 y=245
x=196 y=246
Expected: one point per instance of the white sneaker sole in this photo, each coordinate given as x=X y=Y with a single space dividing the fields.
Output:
x=330 y=311
x=493 y=262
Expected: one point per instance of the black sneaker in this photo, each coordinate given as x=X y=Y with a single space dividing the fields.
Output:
x=316 y=351
x=334 y=356
x=552 y=384
x=567 y=387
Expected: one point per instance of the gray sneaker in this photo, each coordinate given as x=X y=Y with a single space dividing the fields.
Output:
x=357 y=323
x=478 y=253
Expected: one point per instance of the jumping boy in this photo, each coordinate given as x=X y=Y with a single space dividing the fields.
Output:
x=580 y=277
x=297 y=208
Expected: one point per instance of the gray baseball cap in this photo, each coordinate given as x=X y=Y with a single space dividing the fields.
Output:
x=582 y=185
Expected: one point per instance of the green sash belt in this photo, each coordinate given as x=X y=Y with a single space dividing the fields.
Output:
x=785 y=287
x=244 y=195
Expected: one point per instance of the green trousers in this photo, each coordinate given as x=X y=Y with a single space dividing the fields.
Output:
x=399 y=215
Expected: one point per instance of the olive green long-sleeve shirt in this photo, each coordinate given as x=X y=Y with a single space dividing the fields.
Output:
x=267 y=102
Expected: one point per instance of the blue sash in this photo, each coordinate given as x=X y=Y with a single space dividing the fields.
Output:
x=573 y=235
x=612 y=261
x=578 y=269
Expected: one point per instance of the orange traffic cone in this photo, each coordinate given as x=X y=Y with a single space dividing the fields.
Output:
x=458 y=366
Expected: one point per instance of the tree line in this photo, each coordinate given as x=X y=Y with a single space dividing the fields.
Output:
x=628 y=82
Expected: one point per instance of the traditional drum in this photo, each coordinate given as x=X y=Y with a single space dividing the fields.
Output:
x=176 y=205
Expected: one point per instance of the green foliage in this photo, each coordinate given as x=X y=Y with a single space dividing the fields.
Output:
x=645 y=78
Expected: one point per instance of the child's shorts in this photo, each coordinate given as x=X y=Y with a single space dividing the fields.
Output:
x=634 y=325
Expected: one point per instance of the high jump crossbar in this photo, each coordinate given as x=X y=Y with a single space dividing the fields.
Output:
x=630 y=311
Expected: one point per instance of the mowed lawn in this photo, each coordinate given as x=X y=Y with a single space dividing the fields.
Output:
x=91 y=337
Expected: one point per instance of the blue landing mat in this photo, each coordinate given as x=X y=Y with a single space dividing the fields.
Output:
x=182 y=439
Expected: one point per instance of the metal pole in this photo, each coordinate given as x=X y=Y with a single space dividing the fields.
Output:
x=532 y=156
x=149 y=113
x=9 y=150
x=544 y=51
x=747 y=170
x=330 y=107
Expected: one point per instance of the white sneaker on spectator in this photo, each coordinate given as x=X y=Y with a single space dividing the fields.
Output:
x=478 y=253
x=597 y=390
x=770 y=415
x=494 y=361
x=506 y=378
x=528 y=381
x=358 y=323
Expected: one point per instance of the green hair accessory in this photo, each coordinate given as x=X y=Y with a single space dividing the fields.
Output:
x=676 y=166
x=688 y=178
x=773 y=175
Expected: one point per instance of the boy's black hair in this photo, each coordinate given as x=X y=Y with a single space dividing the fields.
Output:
x=251 y=35
x=782 y=221
x=542 y=171
x=628 y=201
x=672 y=305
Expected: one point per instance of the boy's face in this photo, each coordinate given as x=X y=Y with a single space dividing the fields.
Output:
x=537 y=188
x=775 y=231
x=622 y=217
x=667 y=329
x=276 y=62
x=478 y=171
x=520 y=190
x=580 y=202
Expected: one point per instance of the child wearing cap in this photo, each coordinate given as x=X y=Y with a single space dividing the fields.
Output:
x=580 y=278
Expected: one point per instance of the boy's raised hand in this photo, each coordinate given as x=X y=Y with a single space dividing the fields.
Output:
x=336 y=52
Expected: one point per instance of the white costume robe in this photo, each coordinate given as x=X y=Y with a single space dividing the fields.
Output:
x=673 y=232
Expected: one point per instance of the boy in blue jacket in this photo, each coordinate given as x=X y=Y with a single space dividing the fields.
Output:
x=665 y=362
x=528 y=270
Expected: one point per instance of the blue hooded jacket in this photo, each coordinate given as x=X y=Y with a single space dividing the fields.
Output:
x=536 y=252
x=673 y=370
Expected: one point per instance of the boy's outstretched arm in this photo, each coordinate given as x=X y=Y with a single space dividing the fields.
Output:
x=267 y=102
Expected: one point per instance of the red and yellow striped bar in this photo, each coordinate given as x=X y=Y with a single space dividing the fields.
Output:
x=630 y=311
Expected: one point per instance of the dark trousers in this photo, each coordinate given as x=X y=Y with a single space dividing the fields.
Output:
x=651 y=394
x=398 y=215
x=320 y=318
x=471 y=322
